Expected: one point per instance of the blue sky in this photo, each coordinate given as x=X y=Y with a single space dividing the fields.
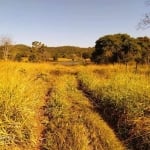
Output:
x=70 y=22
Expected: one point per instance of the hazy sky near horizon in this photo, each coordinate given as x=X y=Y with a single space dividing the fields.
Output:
x=70 y=22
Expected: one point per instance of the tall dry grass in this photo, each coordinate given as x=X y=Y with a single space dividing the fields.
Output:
x=123 y=97
x=21 y=95
x=72 y=120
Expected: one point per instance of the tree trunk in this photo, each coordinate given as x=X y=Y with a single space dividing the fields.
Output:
x=5 y=53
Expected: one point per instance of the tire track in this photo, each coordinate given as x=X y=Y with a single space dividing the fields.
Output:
x=73 y=122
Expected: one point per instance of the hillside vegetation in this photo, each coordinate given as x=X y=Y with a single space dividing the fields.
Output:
x=39 y=52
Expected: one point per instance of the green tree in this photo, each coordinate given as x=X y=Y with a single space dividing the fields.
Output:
x=144 y=42
x=120 y=48
x=131 y=50
x=86 y=55
x=107 y=49
x=38 y=49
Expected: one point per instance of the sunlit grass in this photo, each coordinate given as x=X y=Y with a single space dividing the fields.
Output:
x=21 y=96
x=73 y=123
x=123 y=97
x=122 y=93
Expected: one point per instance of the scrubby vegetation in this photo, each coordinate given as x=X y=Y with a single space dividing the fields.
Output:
x=39 y=52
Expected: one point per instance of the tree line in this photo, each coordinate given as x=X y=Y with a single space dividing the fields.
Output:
x=39 y=52
x=116 y=48
x=121 y=48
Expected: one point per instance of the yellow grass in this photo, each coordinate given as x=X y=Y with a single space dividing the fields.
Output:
x=123 y=95
x=21 y=95
x=73 y=122
x=64 y=59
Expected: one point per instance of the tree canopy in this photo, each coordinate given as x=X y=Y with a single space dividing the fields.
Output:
x=121 y=48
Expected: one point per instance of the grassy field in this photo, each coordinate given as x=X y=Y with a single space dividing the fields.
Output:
x=54 y=107
x=123 y=99
x=22 y=93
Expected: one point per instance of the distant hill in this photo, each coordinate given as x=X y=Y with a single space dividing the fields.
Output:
x=68 y=51
x=22 y=50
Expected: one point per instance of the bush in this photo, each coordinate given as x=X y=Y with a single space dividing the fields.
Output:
x=55 y=58
x=18 y=57
x=32 y=58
